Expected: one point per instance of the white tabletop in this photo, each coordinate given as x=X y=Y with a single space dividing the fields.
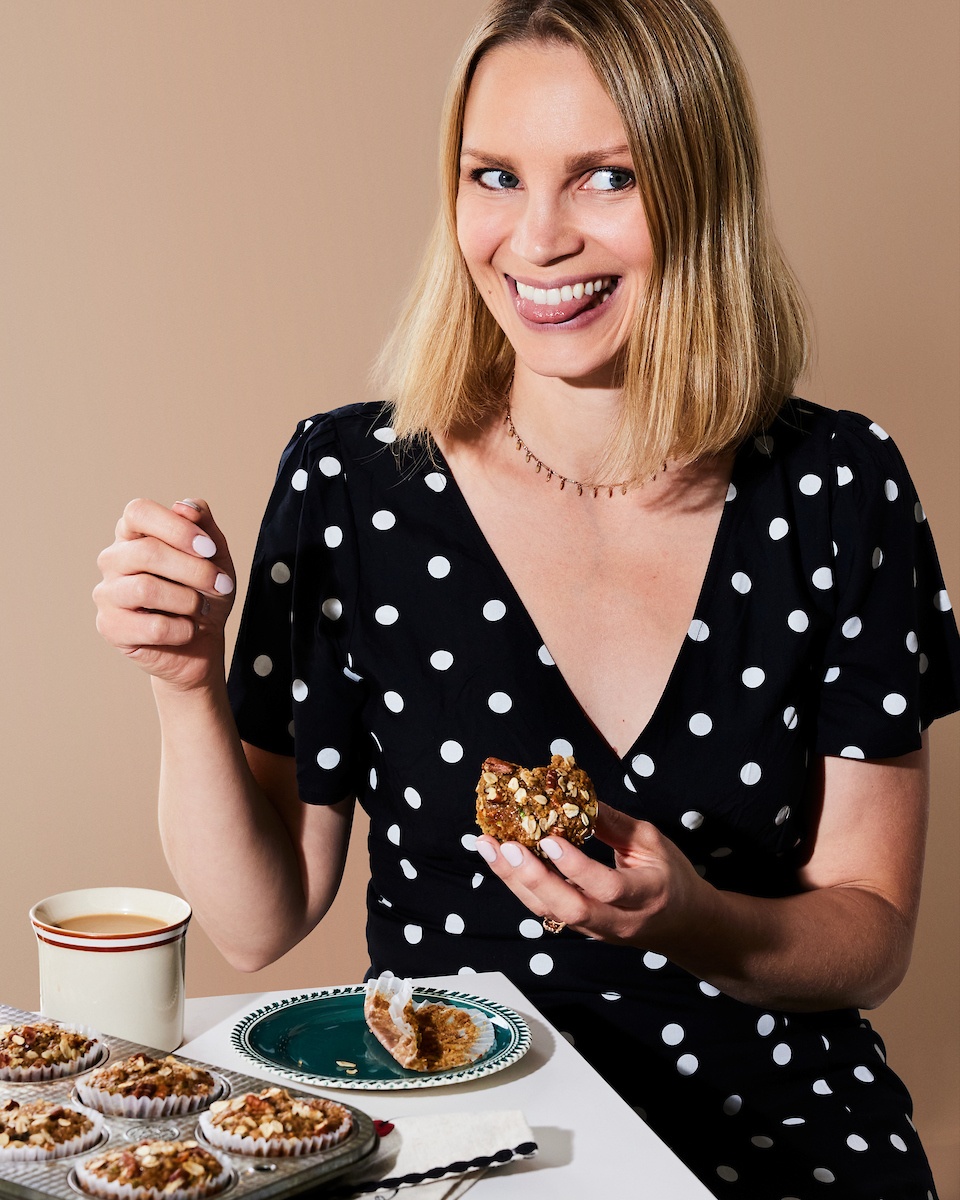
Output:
x=591 y=1142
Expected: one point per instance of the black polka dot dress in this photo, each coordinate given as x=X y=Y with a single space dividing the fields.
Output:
x=384 y=646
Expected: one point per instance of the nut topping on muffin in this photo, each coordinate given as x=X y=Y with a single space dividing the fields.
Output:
x=525 y=804
x=141 y=1075
x=40 y=1044
x=41 y=1124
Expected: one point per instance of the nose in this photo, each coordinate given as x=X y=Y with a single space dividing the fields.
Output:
x=545 y=230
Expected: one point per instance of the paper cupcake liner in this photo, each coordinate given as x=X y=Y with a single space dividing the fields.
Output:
x=58 y=1070
x=272 y=1147
x=146 y=1108
x=95 y=1186
x=77 y=1145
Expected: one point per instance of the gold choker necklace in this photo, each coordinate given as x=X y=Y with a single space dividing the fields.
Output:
x=609 y=488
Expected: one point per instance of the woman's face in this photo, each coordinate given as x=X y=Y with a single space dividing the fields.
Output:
x=549 y=218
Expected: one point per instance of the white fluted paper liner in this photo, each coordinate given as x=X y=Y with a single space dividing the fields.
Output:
x=399 y=993
x=76 y=1145
x=272 y=1147
x=146 y=1108
x=95 y=1186
x=60 y=1070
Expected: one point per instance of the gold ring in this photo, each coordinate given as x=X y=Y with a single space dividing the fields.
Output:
x=552 y=926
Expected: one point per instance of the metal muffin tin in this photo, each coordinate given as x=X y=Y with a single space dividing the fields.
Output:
x=254 y=1178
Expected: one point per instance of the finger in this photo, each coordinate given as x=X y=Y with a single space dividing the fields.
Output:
x=130 y=630
x=623 y=832
x=146 y=518
x=534 y=882
x=152 y=556
x=150 y=593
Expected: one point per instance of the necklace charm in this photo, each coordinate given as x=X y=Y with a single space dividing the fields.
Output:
x=529 y=456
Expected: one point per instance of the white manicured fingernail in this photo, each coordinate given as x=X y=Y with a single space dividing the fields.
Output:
x=223 y=584
x=486 y=852
x=513 y=854
x=551 y=849
x=204 y=546
x=191 y=504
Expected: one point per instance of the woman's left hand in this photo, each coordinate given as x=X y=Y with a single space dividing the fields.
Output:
x=644 y=900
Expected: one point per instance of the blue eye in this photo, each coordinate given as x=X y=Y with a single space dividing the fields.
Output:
x=497 y=181
x=611 y=179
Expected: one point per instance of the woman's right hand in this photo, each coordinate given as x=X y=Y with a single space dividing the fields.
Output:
x=167 y=590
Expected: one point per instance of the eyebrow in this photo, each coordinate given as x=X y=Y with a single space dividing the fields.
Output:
x=575 y=163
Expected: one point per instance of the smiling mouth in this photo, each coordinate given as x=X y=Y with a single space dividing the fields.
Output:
x=561 y=305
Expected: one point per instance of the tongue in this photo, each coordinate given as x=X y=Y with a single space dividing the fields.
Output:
x=553 y=314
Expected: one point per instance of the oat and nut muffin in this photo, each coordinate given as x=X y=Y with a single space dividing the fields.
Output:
x=525 y=804
x=41 y=1050
x=154 y=1170
x=142 y=1086
x=272 y=1122
x=41 y=1129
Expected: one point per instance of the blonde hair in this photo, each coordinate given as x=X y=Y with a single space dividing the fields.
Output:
x=719 y=337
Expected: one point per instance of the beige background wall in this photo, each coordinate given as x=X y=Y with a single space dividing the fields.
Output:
x=207 y=215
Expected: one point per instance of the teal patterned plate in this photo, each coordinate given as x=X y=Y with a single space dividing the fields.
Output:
x=321 y=1039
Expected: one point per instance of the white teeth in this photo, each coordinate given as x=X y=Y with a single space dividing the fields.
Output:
x=606 y=297
x=599 y=285
x=539 y=296
x=578 y=291
x=566 y=292
x=563 y=294
x=588 y=289
x=553 y=296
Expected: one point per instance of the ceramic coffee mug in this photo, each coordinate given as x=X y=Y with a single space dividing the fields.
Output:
x=112 y=958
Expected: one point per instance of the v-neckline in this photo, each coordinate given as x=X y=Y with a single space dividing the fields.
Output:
x=694 y=631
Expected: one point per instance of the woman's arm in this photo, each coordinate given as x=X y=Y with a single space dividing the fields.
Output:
x=845 y=941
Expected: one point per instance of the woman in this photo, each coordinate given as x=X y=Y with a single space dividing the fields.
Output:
x=593 y=522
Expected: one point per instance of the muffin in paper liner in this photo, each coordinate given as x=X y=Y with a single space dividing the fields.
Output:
x=274 y=1123
x=147 y=1170
x=147 y=1088
x=62 y=1049
x=48 y=1121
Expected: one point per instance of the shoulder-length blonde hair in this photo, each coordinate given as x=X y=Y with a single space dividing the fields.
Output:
x=719 y=337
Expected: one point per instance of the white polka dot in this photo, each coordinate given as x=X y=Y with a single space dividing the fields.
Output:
x=328 y=758
x=386 y=614
x=499 y=702
x=451 y=752
x=728 y=1173
x=298 y=480
x=835 y=548
x=922 y=663
x=568 y=1037
x=790 y=717
x=731 y=492
x=822 y=578
x=844 y=476
x=721 y=852
x=413 y=933
x=778 y=528
x=333 y=536
x=541 y=964
x=793 y=1121
x=412 y=797
x=454 y=923
x=878 y=431
x=864 y=1074
x=352 y=675
x=823 y=1175
x=439 y=567
x=373 y=777
x=798 y=620
x=753 y=677
x=894 y=704
x=611 y=996
x=469 y=841
x=467 y=971
x=545 y=657
x=732 y=1105
x=764 y=443
x=291 y=728
x=912 y=643
x=332 y=609
x=385 y=434
x=877 y=558
x=918 y=514
x=941 y=601
x=692 y=819
x=435 y=481
x=856 y=1142
x=329 y=465
x=280 y=572
x=299 y=690
x=852 y=627
x=852 y=752
x=383 y=519
x=700 y=724
x=407 y=867
x=782 y=1054
x=643 y=765
x=750 y=773
x=890 y=490
x=782 y=815
x=897 y=1142
x=708 y=989
x=494 y=610
x=263 y=664
x=393 y=834
x=477 y=879
x=654 y=961
x=561 y=746
x=672 y=1035
x=699 y=631
x=393 y=701
x=628 y=784
x=822 y=1088
x=764 y=1143
x=832 y=675
x=530 y=928
x=742 y=583
x=810 y=485
x=441 y=660
x=766 y=1025
x=687 y=1064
